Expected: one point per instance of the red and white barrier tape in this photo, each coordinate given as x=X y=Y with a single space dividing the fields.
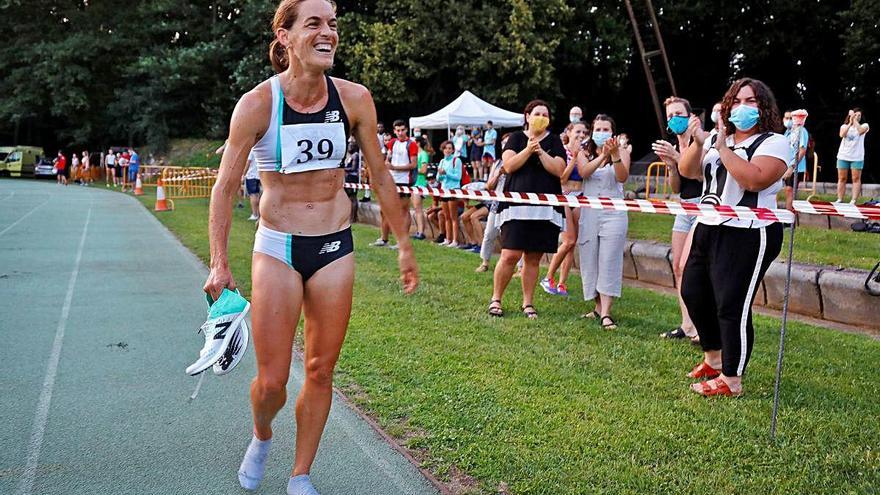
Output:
x=838 y=209
x=600 y=203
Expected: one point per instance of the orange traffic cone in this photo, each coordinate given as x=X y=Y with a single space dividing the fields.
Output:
x=161 y=202
x=138 y=186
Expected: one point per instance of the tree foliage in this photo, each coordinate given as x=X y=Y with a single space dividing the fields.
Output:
x=91 y=72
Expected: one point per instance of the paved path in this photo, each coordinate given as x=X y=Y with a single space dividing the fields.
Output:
x=99 y=307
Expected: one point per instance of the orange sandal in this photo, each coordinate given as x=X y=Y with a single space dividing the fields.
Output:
x=703 y=370
x=714 y=387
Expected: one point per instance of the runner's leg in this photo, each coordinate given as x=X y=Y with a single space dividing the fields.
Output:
x=325 y=327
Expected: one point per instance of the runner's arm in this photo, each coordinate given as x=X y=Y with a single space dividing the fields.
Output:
x=248 y=121
x=364 y=123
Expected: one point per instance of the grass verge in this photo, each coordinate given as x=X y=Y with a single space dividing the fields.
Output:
x=559 y=406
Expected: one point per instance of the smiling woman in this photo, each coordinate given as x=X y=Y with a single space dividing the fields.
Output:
x=297 y=125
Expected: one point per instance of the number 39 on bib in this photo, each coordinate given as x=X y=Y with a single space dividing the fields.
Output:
x=307 y=147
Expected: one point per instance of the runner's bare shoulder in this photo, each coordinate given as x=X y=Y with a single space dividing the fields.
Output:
x=254 y=109
x=356 y=98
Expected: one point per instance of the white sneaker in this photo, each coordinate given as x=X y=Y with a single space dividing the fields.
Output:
x=253 y=217
x=236 y=350
x=225 y=315
x=446 y=242
x=379 y=242
x=452 y=244
x=852 y=201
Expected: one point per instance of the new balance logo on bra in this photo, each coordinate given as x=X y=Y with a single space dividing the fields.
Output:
x=330 y=247
x=331 y=116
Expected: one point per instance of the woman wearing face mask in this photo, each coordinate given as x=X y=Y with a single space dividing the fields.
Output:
x=460 y=141
x=534 y=159
x=742 y=166
x=602 y=233
x=678 y=114
x=572 y=183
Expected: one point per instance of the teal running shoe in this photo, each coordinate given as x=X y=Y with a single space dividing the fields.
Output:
x=225 y=317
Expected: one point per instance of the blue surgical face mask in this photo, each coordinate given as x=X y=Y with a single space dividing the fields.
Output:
x=677 y=124
x=744 y=117
x=599 y=137
x=786 y=123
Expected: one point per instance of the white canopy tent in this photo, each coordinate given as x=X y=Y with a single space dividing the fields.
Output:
x=467 y=110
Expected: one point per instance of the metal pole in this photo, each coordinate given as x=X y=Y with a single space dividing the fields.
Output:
x=778 y=383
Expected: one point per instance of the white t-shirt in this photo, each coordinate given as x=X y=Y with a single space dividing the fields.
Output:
x=252 y=171
x=402 y=153
x=111 y=159
x=852 y=146
x=721 y=188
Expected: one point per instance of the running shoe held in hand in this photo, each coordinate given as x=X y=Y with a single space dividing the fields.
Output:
x=225 y=316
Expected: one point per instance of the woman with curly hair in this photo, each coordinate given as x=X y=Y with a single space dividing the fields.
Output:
x=741 y=166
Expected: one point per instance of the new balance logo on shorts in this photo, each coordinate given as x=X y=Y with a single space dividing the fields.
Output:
x=331 y=116
x=330 y=247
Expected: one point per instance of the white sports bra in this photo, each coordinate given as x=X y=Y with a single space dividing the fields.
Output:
x=301 y=142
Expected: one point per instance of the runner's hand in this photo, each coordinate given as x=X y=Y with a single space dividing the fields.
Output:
x=409 y=271
x=220 y=278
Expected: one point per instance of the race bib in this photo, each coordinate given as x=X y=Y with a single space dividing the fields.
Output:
x=306 y=147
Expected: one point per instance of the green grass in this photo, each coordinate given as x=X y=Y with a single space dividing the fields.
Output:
x=560 y=406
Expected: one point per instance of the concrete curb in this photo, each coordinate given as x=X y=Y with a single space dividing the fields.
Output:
x=820 y=292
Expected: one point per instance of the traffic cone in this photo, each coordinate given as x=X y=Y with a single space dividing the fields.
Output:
x=138 y=186
x=161 y=202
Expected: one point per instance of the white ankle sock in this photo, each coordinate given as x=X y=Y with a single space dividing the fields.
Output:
x=300 y=485
x=250 y=473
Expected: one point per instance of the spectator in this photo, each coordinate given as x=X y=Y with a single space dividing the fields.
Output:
x=253 y=187
x=110 y=169
x=434 y=214
x=475 y=145
x=75 y=168
x=134 y=166
x=799 y=140
x=422 y=162
x=575 y=115
x=574 y=138
x=88 y=170
x=471 y=222
x=460 y=140
x=490 y=135
x=602 y=233
x=534 y=160
x=496 y=181
x=401 y=161
x=851 y=154
x=729 y=257
x=381 y=137
x=352 y=169
x=678 y=114
x=449 y=172
x=121 y=169
x=60 y=169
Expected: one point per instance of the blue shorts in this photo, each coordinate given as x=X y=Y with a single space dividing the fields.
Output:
x=848 y=164
x=683 y=223
x=252 y=186
x=132 y=174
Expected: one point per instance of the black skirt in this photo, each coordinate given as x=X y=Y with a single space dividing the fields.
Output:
x=535 y=236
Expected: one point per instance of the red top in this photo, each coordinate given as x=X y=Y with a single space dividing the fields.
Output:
x=61 y=164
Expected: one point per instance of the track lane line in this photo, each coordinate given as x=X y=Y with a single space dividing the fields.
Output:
x=26 y=485
x=7 y=229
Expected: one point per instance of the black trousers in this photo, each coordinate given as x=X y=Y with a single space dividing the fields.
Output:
x=719 y=283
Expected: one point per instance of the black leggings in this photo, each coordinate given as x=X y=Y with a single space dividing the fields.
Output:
x=719 y=283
